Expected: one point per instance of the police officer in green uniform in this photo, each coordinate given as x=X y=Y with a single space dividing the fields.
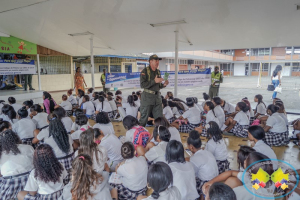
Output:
x=151 y=82
x=216 y=79
x=103 y=76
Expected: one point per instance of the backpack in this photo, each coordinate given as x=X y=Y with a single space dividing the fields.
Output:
x=140 y=137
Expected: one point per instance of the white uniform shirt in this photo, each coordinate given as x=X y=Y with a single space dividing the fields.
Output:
x=40 y=120
x=106 y=107
x=130 y=110
x=261 y=108
x=67 y=122
x=24 y=128
x=167 y=112
x=265 y=149
x=76 y=134
x=130 y=134
x=277 y=123
x=199 y=107
x=16 y=107
x=72 y=99
x=11 y=164
x=6 y=118
x=175 y=135
x=112 y=145
x=35 y=184
x=113 y=105
x=184 y=180
x=157 y=153
x=105 y=128
x=176 y=112
x=96 y=102
x=229 y=108
x=91 y=96
x=284 y=116
x=192 y=115
x=171 y=193
x=134 y=173
x=220 y=115
x=218 y=149
x=210 y=117
x=205 y=165
x=80 y=101
x=242 y=118
x=185 y=106
x=89 y=107
x=66 y=105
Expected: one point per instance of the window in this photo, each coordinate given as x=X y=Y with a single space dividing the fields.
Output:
x=288 y=50
x=287 y=64
x=101 y=67
x=296 y=50
x=54 y=64
x=296 y=69
x=256 y=66
x=260 y=52
x=115 y=68
x=227 y=52
x=295 y=64
x=225 y=67
x=248 y=52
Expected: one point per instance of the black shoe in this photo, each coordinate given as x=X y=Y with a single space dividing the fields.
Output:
x=31 y=89
x=25 y=89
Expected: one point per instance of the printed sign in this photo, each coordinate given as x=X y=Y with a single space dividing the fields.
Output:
x=16 y=46
x=11 y=67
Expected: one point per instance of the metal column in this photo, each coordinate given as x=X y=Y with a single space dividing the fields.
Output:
x=92 y=62
x=176 y=63
x=39 y=71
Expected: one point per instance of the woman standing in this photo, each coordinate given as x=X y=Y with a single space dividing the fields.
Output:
x=276 y=78
x=79 y=80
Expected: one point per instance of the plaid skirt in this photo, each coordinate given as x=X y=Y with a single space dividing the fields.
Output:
x=126 y=194
x=186 y=128
x=276 y=139
x=111 y=115
x=171 y=120
x=9 y=188
x=28 y=141
x=67 y=163
x=223 y=165
x=69 y=113
x=240 y=130
x=199 y=184
x=53 y=196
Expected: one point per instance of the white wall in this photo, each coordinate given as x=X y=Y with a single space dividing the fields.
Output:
x=239 y=69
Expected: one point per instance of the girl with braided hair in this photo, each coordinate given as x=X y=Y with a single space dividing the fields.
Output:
x=46 y=179
x=15 y=164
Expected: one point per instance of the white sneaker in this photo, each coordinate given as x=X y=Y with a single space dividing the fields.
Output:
x=271 y=98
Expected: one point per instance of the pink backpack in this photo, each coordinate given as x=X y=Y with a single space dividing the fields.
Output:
x=255 y=122
x=140 y=137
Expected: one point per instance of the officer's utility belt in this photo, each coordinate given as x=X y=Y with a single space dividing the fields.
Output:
x=151 y=92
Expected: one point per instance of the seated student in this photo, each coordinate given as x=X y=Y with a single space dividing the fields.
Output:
x=261 y=108
x=38 y=116
x=133 y=171
x=28 y=105
x=169 y=96
x=75 y=126
x=233 y=179
x=131 y=124
x=257 y=134
x=197 y=104
x=12 y=102
x=86 y=183
x=242 y=155
x=96 y=152
x=217 y=146
x=118 y=93
x=192 y=118
x=80 y=96
x=48 y=103
x=4 y=125
x=206 y=98
x=227 y=107
x=296 y=132
x=103 y=123
x=240 y=123
x=219 y=191
x=218 y=110
x=156 y=153
x=175 y=135
x=184 y=104
x=90 y=93
x=160 y=179
x=167 y=111
x=104 y=106
x=67 y=121
x=87 y=106
x=282 y=112
x=112 y=145
x=81 y=121
x=71 y=98
x=15 y=164
x=45 y=180
x=183 y=172
x=130 y=106
x=24 y=127
x=136 y=100
x=9 y=114
x=177 y=110
x=203 y=161
x=66 y=105
x=113 y=105
x=276 y=130
x=250 y=112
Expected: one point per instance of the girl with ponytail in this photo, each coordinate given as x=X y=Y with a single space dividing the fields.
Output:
x=250 y=113
x=104 y=106
x=260 y=107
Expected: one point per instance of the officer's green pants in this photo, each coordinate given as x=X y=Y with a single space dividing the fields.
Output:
x=213 y=92
x=28 y=81
x=150 y=103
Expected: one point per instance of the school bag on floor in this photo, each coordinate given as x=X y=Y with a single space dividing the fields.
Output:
x=140 y=136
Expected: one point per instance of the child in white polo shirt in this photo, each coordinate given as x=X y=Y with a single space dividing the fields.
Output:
x=38 y=116
x=103 y=123
x=65 y=104
x=167 y=111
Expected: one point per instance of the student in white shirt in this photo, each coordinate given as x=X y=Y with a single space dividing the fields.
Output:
x=96 y=152
x=113 y=105
x=233 y=179
x=15 y=160
x=38 y=116
x=67 y=121
x=183 y=172
x=131 y=124
x=160 y=179
x=86 y=182
x=276 y=130
x=4 y=125
x=80 y=96
x=104 y=106
x=9 y=114
x=133 y=171
x=12 y=102
x=177 y=110
x=184 y=104
x=261 y=108
x=87 y=106
x=45 y=180
x=219 y=111
x=65 y=104
x=250 y=113
x=203 y=161
x=137 y=101
x=167 y=111
x=217 y=146
x=28 y=105
x=112 y=145
x=103 y=123
x=256 y=134
x=24 y=127
x=206 y=98
x=175 y=135
x=219 y=191
x=71 y=98
x=281 y=111
x=191 y=116
x=227 y=107
x=130 y=106
x=75 y=126
x=90 y=93
x=82 y=122
x=240 y=123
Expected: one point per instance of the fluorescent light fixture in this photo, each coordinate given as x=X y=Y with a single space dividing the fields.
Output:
x=80 y=34
x=168 y=23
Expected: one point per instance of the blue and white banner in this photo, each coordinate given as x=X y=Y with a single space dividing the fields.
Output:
x=188 y=78
x=11 y=67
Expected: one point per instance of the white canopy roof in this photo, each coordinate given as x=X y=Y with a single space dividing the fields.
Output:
x=122 y=26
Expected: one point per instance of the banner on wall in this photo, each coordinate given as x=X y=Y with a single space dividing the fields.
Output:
x=11 y=67
x=17 y=46
x=188 y=78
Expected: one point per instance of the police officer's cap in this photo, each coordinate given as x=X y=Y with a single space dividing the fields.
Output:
x=154 y=57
